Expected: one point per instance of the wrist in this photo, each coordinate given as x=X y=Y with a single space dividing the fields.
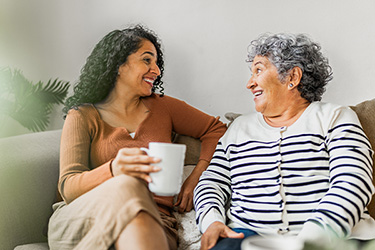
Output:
x=199 y=169
x=211 y=217
x=202 y=165
x=313 y=231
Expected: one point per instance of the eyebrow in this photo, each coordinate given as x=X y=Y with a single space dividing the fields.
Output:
x=148 y=52
x=258 y=62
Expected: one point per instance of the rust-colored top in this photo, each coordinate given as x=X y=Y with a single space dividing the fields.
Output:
x=88 y=144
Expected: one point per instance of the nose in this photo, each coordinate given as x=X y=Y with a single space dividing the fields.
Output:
x=251 y=83
x=155 y=69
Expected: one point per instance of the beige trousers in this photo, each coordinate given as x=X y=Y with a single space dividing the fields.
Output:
x=96 y=219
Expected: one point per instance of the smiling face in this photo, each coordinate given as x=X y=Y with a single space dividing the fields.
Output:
x=270 y=94
x=140 y=70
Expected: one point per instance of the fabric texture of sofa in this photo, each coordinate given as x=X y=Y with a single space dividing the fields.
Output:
x=29 y=167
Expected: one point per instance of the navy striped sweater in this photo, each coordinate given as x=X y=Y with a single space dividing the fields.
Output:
x=274 y=180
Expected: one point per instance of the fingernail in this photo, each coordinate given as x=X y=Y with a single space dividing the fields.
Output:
x=156 y=169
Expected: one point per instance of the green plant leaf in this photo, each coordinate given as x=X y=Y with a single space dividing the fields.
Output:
x=27 y=103
x=54 y=92
x=34 y=120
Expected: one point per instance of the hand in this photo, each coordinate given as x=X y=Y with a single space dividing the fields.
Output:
x=185 y=197
x=318 y=234
x=134 y=162
x=216 y=230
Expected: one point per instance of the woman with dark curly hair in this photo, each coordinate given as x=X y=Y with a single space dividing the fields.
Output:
x=296 y=167
x=113 y=112
x=99 y=74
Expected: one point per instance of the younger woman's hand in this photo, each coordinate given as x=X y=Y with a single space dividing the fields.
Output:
x=185 y=197
x=134 y=162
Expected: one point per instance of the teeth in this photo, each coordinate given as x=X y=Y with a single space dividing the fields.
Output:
x=148 y=80
x=258 y=93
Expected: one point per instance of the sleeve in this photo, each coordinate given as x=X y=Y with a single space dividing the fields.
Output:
x=351 y=185
x=76 y=178
x=190 y=121
x=213 y=190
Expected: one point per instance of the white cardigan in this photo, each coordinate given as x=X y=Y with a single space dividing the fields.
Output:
x=287 y=180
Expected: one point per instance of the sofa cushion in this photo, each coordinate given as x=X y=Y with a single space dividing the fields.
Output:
x=193 y=148
x=29 y=169
x=366 y=114
x=188 y=232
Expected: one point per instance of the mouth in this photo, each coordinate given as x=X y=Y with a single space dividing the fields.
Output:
x=258 y=93
x=149 y=81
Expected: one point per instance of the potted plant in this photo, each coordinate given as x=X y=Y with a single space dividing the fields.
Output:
x=27 y=103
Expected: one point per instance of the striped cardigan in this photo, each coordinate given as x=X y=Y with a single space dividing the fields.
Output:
x=275 y=180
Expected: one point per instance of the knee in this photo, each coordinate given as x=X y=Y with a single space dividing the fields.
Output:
x=126 y=182
x=128 y=186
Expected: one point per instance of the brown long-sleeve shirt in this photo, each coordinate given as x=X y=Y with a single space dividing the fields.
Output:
x=88 y=144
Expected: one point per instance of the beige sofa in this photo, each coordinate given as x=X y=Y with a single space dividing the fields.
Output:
x=29 y=169
x=28 y=178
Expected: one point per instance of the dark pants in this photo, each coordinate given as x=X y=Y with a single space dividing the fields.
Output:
x=233 y=244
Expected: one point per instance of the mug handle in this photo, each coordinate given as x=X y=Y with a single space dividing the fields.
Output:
x=146 y=150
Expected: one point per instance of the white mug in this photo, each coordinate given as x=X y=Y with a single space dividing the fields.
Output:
x=270 y=242
x=167 y=181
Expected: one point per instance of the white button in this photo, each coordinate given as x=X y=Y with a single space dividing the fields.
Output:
x=283 y=128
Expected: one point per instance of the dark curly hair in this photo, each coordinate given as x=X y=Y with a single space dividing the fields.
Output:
x=287 y=51
x=99 y=74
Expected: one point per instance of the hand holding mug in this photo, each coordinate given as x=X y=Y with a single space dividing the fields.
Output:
x=134 y=162
x=167 y=181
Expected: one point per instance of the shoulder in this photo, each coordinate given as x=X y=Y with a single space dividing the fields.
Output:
x=327 y=107
x=82 y=109
x=329 y=111
x=240 y=128
x=156 y=98
x=84 y=112
x=243 y=120
x=163 y=98
x=157 y=101
x=331 y=115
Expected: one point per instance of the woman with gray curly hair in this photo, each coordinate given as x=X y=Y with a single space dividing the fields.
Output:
x=289 y=51
x=297 y=167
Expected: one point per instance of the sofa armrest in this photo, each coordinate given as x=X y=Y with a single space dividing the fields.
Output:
x=29 y=168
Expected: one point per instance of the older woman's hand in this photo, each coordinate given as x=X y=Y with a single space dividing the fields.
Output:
x=134 y=162
x=214 y=232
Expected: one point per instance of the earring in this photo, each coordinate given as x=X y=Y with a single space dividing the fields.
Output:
x=291 y=85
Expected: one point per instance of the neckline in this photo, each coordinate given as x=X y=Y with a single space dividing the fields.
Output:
x=269 y=127
x=143 y=100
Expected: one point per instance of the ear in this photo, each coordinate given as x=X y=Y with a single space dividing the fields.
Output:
x=295 y=76
x=122 y=68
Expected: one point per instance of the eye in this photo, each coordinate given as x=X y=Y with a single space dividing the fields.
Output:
x=147 y=60
x=256 y=71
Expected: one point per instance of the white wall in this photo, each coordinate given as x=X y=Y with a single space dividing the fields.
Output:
x=205 y=42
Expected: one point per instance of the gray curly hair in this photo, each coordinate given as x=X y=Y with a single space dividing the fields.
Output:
x=287 y=51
